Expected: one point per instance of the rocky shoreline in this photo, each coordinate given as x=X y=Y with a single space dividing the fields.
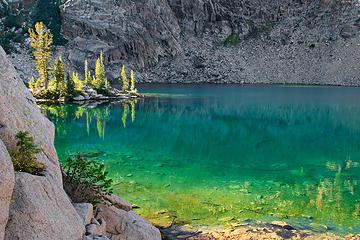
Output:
x=90 y=95
x=270 y=231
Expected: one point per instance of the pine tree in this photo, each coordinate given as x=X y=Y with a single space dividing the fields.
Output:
x=70 y=86
x=124 y=79
x=41 y=40
x=78 y=83
x=132 y=81
x=100 y=78
x=32 y=83
x=59 y=77
x=87 y=74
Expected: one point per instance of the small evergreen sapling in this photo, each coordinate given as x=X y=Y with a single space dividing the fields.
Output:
x=59 y=78
x=70 y=86
x=124 y=79
x=78 y=83
x=87 y=74
x=132 y=80
x=24 y=156
x=32 y=84
x=100 y=82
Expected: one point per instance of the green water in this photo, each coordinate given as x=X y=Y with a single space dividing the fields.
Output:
x=220 y=155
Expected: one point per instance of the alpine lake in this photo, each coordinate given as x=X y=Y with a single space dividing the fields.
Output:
x=219 y=155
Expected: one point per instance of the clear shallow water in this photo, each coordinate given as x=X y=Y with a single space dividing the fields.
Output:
x=219 y=155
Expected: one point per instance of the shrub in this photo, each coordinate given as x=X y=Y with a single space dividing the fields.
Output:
x=85 y=180
x=232 y=40
x=24 y=156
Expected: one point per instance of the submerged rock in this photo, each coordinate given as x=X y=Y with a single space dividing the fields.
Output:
x=282 y=225
x=227 y=219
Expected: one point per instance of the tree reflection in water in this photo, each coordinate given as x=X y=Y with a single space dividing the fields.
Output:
x=60 y=114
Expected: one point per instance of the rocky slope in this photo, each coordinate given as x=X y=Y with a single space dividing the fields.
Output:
x=37 y=207
x=36 y=200
x=290 y=41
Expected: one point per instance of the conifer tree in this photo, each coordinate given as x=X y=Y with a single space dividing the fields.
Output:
x=87 y=74
x=124 y=79
x=59 y=77
x=100 y=78
x=32 y=84
x=70 y=86
x=132 y=81
x=78 y=83
x=41 y=40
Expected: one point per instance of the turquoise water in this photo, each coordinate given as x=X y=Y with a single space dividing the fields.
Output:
x=220 y=155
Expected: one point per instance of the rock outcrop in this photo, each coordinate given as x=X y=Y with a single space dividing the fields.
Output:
x=39 y=207
x=219 y=41
x=19 y=112
x=6 y=186
x=85 y=211
x=121 y=224
x=41 y=210
x=126 y=31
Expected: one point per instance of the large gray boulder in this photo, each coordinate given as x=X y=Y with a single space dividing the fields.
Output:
x=123 y=225
x=85 y=211
x=6 y=187
x=19 y=112
x=41 y=210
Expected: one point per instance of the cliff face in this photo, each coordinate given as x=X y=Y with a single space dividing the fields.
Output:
x=140 y=32
x=287 y=41
x=32 y=207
